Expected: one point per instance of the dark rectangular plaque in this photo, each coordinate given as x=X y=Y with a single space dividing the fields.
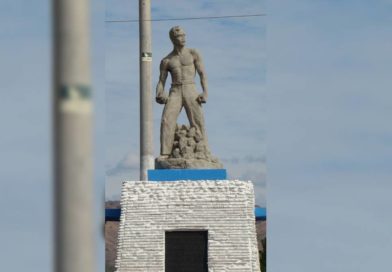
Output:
x=186 y=251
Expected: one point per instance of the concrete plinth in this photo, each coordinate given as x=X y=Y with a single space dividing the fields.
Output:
x=223 y=209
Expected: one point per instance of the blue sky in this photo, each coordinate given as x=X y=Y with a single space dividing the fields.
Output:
x=25 y=185
x=25 y=138
x=327 y=132
x=329 y=135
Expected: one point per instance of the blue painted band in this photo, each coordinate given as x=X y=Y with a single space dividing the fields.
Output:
x=114 y=214
x=187 y=174
x=260 y=213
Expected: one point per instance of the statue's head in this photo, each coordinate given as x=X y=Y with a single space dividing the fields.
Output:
x=177 y=36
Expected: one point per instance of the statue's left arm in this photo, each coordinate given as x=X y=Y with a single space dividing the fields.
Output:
x=202 y=98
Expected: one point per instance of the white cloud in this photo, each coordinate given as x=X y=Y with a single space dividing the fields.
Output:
x=129 y=162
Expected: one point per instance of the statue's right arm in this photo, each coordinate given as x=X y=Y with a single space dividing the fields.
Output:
x=161 y=97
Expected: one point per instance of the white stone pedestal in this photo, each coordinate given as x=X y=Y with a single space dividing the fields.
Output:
x=223 y=208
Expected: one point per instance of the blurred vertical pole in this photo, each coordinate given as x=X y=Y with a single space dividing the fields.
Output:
x=146 y=118
x=74 y=229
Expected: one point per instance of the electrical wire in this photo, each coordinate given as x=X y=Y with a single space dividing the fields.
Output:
x=189 y=18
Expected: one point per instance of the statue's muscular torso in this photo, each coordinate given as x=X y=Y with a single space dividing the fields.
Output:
x=181 y=66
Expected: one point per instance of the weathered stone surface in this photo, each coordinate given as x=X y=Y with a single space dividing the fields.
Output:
x=223 y=208
x=189 y=152
x=183 y=142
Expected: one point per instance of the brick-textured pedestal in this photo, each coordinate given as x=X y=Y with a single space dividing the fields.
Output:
x=225 y=209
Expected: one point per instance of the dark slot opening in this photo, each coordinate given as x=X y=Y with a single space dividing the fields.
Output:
x=186 y=251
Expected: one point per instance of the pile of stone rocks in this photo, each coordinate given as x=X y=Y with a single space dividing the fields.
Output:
x=189 y=144
x=190 y=150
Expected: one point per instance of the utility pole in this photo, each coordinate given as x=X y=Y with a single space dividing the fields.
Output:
x=73 y=184
x=146 y=118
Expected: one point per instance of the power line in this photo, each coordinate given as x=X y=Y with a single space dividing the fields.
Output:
x=189 y=18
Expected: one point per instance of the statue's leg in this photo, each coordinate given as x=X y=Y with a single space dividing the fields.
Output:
x=194 y=110
x=169 y=120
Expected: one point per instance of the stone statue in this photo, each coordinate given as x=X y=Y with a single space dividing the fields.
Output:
x=183 y=146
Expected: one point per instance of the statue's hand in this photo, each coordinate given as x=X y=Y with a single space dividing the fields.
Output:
x=161 y=98
x=202 y=98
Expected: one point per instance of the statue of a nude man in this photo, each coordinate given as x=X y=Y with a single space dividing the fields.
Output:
x=182 y=64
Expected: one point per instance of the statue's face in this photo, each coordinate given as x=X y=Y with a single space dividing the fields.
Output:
x=179 y=38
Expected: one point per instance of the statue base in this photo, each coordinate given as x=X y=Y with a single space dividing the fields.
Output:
x=201 y=225
x=181 y=163
x=186 y=174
